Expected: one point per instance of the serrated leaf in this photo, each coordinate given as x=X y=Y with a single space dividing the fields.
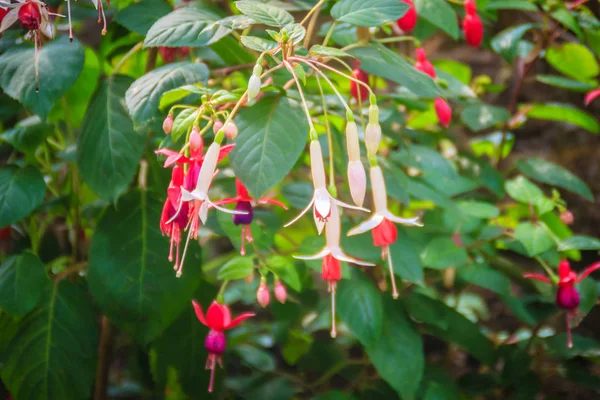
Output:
x=482 y=116
x=187 y=26
x=182 y=123
x=21 y=191
x=143 y=96
x=139 y=17
x=368 y=12
x=173 y=96
x=328 y=51
x=440 y=14
x=22 y=282
x=108 y=148
x=238 y=268
x=564 y=113
x=552 y=174
x=129 y=274
x=234 y=22
x=443 y=253
x=272 y=135
x=579 y=243
x=360 y=307
x=60 y=63
x=265 y=13
x=53 y=353
x=28 y=134
x=258 y=44
x=296 y=32
x=535 y=238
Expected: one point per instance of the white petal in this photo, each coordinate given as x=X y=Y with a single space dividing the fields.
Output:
x=317 y=166
x=352 y=143
x=320 y=224
x=357 y=180
x=209 y=165
x=338 y=254
x=317 y=256
x=366 y=226
x=227 y=210
x=346 y=205
x=301 y=213
x=322 y=203
x=378 y=189
x=9 y=19
x=333 y=228
x=203 y=212
x=194 y=195
x=404 y=221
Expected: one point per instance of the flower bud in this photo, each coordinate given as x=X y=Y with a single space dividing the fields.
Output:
x=352 y=143
x=472 y=25
x=168 y=124
x=262 y=295
x=566 y=217
x=231 y=130
x=443 y=111
x=195 y=139
x=30 y=16
x=217 y=126
x=409 y=20
x=373 y=132
x=280 y=292
x=357 y=179
x=254 y=83
x=357 y=89
x=423 y=63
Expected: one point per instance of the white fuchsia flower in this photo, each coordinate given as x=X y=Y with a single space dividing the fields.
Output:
x=357 y=177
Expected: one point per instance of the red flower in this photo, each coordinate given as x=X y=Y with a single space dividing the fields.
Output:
x=443 y=111
x=591 y=96
x=385 y=233
x=30 y=15
x=174 y=215
x=567 y=296
x=355 y=90
x=169 y=54
x=218 y=319
x=408 y=21
x=423 y=63
x=472 y=25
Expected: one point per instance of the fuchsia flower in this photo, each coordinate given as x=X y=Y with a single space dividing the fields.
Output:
x=169 y=54
x=357 y=89
x=173 y=220
x=331 y=255
x=423 y=63
x=280 y=291
x=322 y=201
x=472 y=25
x=263 y=297
x=408 y=21
x=443 y=111
x=218 y=319
x=567 y=296
x=381 y=224
x=591 y=96
x=246 y=203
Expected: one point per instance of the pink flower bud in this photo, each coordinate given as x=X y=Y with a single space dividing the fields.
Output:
x=280 y=292
x=409 y=20
x=30 y=16
x=566 y=217
x=231 y=131
x=472 y=25
x=423 y=63
x=168 y=124
x=217 y=126
x=357 y=89
x=443 y=111
x=262 y=295
x=195 y=139
x=357 y=179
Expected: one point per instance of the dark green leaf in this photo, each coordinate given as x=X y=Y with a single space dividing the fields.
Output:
x=565 y=83
x=426 y=160
x=21 y=191
x=478 y=209
x=564 y=113
x=482 y=116
x=440 y=14
x=406 y=261
x=265 y=13
x=443 y=253
x=485 y=277
x=368 y=12
x=22 y=282
x=182 y=123
x=510 y=5
x=579 y=243
x=139 y=17
x=552 y=174
x=28 y=134
x=506 y=43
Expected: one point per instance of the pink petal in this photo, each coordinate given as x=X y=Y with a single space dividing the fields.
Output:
x=199 y=313
x=225 y=150
x=591 y=96
x=588 y=271
x=274 y=202
x=239 y=320
x=215 y=316
x=538 y=277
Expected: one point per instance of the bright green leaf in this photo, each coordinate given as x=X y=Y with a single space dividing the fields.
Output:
x=579 y=243
x=368 y=12
x=535 y=238
x=258 y=44
x=574 y=60
x=565 y=83
x=565 y=113
x=439 y=13
x=238 y=268
x=265 y=13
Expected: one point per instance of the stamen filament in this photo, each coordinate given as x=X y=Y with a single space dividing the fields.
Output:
x=333 y=329
x=395 y=293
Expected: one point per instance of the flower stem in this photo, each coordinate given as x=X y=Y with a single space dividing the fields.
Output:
x=329 y=137
x=315 y=8
x=308 y=117
x=126 y=57
x=329 y=33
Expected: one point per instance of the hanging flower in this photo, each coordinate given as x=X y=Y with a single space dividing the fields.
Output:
x=173 y=219
x=408 y=21
x=382 y=223
x=246 y=203
x=591 y=96
x=323 y=202
x=472 y=25
x=423 y=63
x=331 y=255
x=357 y=177
x=443 y=111
x=567 y=296
x=280 y=291
x=218 y=319
x=356 y=89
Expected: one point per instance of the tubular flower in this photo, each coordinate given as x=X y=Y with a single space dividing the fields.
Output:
x=567 y=296
x=423 y=63
x=357 y=177
x=322 y=201
x=246 y=203
x=381 y=224
x=218 y=320
x=472 y=26
x=172 y=221
x=331 y=255
x=356 y=89
x=280 y=291
x=443 y=111
x=408 y=21
x=373 y=132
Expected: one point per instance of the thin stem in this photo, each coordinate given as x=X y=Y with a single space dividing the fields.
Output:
x=151 y=60
x=308 y=117
x=329 y=33
x=329 y=136
x=546 y=267
x=315 y=8
x=127 y=56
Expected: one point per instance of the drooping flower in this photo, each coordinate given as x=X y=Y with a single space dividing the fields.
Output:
x=254 y=84
x=423 y=63
x=443 y=111
x=174 y=215
x=356 y=89
x=246 y=203
x=168 y=124
x=382 y=223
x=263 y=297
x=408 y=21
x=331 y=255
x=567 y=296
x=357 y=177
x=591 y=96
x=373 y=132
x=472 y=25
x=322 y=201
x=280 y=291
x=218 y=319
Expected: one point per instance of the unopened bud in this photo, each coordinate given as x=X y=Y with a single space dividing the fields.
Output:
x=280 y=292
x=352 y=143
x=217 y=126
x=231 y=130
x=195 y=139
x=357 y=179
x=262 y=295
x=372 y=138
x=254 y=85
x=566 y=217
x=168 y=124
x=443 y=111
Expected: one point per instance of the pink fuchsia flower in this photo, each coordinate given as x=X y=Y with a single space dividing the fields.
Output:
x=331 y=255
x=218 y=320
x=280 y=291
x=423 y=63
x=356 y=89
x=246 y=203
x=263 y=297
x=472 y=25
x=408 y=21
x=322 y=201
x=174 y=217
x=443 y=111
x=567 y=296
x=382 y=223
x=591 y=96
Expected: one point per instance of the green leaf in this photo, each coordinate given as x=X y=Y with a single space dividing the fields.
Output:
x=143 y=96
x=565 y=113
x=53 y=353
x=588 y=289
x=129 y=275
x=440 y=14
x=272 y=135
x=443 y=253
x=535 y=238
x=22 y=281
x=139 y=17
x=234 y=22
x=60 y=63
x=482 y=116
x=426 y=160
x=368 y=12
x=510 y=5
x=522 y=190
x=578 y=242
x=376 y=59
x=265 y=13
x=28 y=134
x=574 y=60
x=565 y=83
x=478 y=209
x=108 y=148
x=21 y=191
x=360 y=307
x=400 y=366
x=506 y=43
x=552 y=174
x=328 y=51
x=285 y=269
x=175 y=95
x=296 y=32
x=182 y=123
x=485 y=277
x=238 y=268
x=258 y=44
x=567 y=18
x=187 y=26
x=406 y=261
